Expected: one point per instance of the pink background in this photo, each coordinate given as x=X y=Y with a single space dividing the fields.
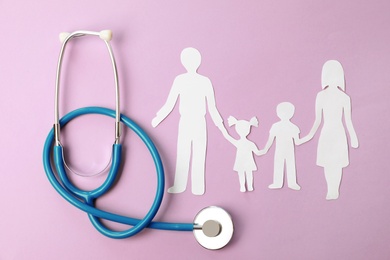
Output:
x=257 y=54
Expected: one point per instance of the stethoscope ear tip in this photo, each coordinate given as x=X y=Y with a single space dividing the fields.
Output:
x=213 y=228
x=63 y=36
x=106 y=35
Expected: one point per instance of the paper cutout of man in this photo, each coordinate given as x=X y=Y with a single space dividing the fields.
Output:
x=196 y=95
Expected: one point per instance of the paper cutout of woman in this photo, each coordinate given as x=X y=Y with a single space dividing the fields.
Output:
x=332 y=103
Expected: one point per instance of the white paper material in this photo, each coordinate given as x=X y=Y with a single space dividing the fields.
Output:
x=286 y=135
x=333 y=104
x=196 y=95
x=244 y=164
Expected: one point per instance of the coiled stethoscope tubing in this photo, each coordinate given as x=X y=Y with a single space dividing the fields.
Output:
x=211 y=233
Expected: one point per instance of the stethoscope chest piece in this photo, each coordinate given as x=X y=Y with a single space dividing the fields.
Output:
x=213 y=228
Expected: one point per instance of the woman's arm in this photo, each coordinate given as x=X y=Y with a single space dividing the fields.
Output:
x=348 y=123
x=317 y=122
x=297 y=140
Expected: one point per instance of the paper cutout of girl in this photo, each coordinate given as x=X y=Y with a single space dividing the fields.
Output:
x=332 y=103
x=244 y=164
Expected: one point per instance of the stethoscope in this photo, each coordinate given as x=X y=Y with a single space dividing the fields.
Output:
x=212 y=226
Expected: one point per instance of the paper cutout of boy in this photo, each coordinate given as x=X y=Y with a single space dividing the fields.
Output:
x=286 y=135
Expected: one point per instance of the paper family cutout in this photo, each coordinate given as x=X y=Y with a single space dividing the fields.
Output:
x=196 y=95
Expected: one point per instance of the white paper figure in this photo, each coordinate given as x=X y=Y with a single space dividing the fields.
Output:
x=331 y=104
x=286 y=135
x=195 y=92
x=244 y=164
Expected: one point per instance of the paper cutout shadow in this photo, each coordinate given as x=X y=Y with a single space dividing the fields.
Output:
x=196 y=94
x=332 y=103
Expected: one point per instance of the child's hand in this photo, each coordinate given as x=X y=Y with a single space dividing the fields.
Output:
x=225 y=134
x=301 y=141
x=260 y=152
x=228 y=137
x=232 y=120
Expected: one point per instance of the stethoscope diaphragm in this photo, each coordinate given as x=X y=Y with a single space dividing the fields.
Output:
x=213 y=228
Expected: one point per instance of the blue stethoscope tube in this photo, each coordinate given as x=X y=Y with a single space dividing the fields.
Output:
x=85 y=200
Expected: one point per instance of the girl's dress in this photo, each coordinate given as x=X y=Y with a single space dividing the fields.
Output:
x=244 y=156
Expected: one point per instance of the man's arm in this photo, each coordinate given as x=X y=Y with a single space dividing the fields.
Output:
x=212 y=107
x=257 y=151
x=169 y=104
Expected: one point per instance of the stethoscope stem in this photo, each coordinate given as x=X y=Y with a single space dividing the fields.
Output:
x=106 y=36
